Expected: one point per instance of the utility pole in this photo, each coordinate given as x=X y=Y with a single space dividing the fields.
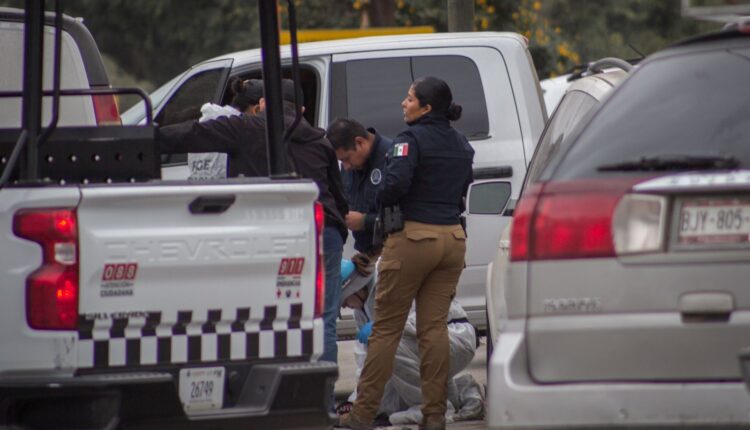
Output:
x=460 y=15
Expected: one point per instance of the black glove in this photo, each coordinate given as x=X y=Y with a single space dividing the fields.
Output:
x=362 y=264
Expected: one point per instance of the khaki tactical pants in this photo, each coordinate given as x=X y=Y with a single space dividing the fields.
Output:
x=422 y=262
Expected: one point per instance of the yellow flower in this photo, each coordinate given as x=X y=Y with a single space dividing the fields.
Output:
x=357 y=4
x=400 y=4
x=537 y=6
x=490 y=9
x=481 y=2
x=485 y=23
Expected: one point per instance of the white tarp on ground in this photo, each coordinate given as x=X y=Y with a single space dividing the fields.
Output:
x=402 y=397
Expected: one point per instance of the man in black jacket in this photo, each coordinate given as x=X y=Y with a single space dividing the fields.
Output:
x=362 y=153
x=311 y=156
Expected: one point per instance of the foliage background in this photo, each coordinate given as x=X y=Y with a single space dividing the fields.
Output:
x=147 y=42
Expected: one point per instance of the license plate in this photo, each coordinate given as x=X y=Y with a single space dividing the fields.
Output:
x=202 y=388
x=714 y=222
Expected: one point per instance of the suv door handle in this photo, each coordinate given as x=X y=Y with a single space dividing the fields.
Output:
x=211 y=204
x=706 y=307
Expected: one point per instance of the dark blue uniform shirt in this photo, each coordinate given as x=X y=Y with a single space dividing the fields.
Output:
x=429 y=171
x=362 y=186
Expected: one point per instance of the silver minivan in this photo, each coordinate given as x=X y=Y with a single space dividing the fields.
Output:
x=627 y=296
x=583 y=94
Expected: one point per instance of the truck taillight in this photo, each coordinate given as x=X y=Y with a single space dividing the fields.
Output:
x=52 y=289
x=570 y=219
x=106 y=110
x=320 y=282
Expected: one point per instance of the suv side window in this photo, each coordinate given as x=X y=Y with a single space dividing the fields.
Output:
x=375 y=88
x=462 y=77
x=571 y=109
x=185 y=104
x=374 y=91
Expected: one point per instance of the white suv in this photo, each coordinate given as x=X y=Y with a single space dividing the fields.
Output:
x=490 y=74
x=81 y=68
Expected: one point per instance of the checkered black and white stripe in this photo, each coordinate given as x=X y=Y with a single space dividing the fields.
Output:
x=142 y=341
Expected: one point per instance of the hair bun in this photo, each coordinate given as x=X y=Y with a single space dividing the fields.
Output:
x=237 y=86
x=454 y=111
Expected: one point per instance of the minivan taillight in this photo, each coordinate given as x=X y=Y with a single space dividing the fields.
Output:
x=52 y=289
x=520 y=232
x=106 y=110
x=567 y=219
x=320 y=282
x=573 y=226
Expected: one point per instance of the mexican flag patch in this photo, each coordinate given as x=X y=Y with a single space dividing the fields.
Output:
x=401 y=150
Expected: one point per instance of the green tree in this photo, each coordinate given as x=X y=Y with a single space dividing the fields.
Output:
x=322 y=14
x=153 y=40
x=623 y=28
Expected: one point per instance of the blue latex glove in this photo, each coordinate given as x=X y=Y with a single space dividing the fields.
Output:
x=347 y=268
x=364 y=333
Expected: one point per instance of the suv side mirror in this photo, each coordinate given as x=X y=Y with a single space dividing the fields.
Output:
x=488 y=197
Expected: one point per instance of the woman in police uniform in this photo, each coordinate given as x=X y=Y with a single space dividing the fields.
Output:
x=427 y=176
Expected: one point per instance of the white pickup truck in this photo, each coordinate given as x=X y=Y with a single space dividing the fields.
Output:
x=129 y=301
x=491 y=75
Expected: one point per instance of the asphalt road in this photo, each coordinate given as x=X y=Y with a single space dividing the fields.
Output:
x=346 y=382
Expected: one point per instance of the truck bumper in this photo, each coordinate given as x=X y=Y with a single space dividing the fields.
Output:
x=279 y=395
x=515 y=401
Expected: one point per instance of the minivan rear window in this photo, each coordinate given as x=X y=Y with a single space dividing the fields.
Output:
x=690 y=105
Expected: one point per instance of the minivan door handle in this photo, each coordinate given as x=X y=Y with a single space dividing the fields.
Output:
x=706 y=307
x=211 y=204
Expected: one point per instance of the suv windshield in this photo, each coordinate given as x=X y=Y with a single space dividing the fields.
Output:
x=692 y=107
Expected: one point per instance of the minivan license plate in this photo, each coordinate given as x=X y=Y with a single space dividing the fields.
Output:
x=202 y=388
x=714 y=221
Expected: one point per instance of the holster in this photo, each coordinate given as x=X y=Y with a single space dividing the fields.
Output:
x=393 y=220
x=389 y=220
x=378 y=237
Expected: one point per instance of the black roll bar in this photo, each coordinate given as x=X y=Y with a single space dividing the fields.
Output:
x=24 y=138
x=94 y=92
x=31 y=108
x=55 y=75
x=295 y=72
x=269 y=41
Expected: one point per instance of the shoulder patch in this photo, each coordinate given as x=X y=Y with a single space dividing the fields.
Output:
x=376 y=176
x=401 y=150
